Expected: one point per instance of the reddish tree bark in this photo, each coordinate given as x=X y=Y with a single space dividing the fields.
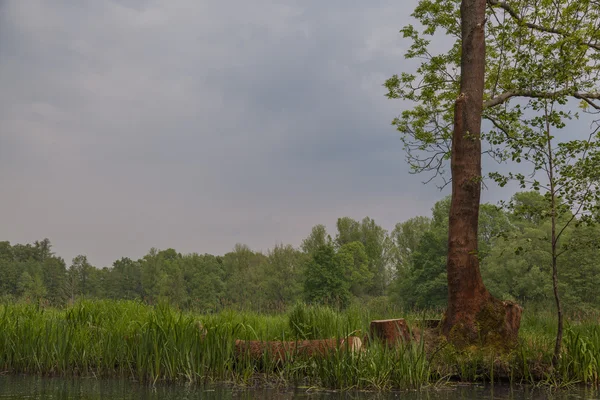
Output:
x=390 y=331
x=473 y=314
x=281 y=351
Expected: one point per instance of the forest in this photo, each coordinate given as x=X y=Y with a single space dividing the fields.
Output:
x=360 y=263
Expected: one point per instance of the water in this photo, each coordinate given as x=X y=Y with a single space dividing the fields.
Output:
x=27 y=387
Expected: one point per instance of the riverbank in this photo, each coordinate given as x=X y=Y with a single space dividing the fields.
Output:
x=160 y=344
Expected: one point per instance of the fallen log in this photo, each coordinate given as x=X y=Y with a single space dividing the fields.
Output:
x=282 y=351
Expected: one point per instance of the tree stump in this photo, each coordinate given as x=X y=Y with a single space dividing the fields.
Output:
x=512 y=320
x=390 y=331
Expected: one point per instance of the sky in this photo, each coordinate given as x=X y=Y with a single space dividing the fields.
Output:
x=196 y=125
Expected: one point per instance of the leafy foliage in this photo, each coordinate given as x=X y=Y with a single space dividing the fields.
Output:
x=534 y=51
x=514 y=254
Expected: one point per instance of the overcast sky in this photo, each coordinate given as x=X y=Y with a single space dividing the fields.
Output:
x=198 y=124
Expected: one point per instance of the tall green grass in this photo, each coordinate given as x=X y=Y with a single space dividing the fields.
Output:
x=159 y=343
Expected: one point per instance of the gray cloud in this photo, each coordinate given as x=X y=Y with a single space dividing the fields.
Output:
x=196 y=125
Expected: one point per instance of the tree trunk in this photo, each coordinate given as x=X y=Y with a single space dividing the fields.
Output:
x=559 y=332
x=473 y=315
x=554 y=243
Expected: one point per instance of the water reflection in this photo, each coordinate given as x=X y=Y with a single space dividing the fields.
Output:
x=23 y=387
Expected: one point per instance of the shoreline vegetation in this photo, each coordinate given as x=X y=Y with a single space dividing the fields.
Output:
x=160 y=343
x=203 y=318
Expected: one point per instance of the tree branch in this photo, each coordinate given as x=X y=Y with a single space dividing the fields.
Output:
x=498 y=125
x=574 y=214
x=591 y=103
x=588 y=97
x=513 y=13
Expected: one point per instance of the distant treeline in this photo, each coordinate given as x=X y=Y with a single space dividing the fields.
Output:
x=362 y=262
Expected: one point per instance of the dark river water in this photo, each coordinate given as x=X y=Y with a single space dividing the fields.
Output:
x=26 y=387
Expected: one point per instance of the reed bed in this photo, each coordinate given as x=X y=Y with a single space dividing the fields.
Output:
x=159 y=343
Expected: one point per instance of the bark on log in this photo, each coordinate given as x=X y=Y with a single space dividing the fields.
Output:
x=512 y=320
x=390 y=331
x=282 y=351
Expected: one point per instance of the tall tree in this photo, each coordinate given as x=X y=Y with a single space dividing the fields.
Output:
x=171 y=284
x=569 y=179
x=204 y=279
x=317 y=238
x=126 y=279
x=423 y=281
x=517 y=266
x=283 y=275
x=348 y=231
x=353 y=262
x=31 y=287
x=243 y=283
x=425 y=284
x=580 y=269
x=54 y=277
x=373 y=237
x=406 y=237
x=467 y=295
x=520 y=35
x=9 y=273
x=81 y=280
x=494 y=223
x=325 y=281
x=151 y=269
x=43 y=249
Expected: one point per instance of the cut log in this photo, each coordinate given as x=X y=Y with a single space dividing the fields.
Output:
x=390 y=331
x=281 y=351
